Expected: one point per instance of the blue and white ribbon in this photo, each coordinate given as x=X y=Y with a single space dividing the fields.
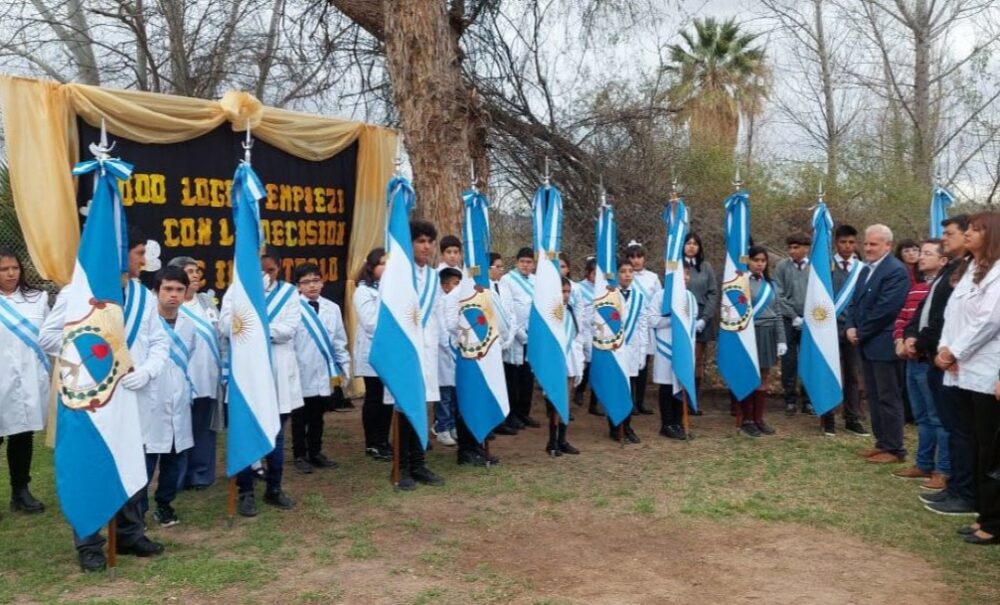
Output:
x=636 y=303
x=25 y=331
x=675 y=217
x=179 y=352
x=847 y=289
x=522 y=281
x=136 y=296
x=119 y=170
x=764 y=296
x=429 y=295
x=277 y=298
x=206 y=332
x=320 y=337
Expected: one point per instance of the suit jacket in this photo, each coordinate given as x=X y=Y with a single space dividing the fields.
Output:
x=876 y=302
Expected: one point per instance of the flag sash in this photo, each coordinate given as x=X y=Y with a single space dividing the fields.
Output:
x=522 y=281
x=320 y=337
x=847 y=288
x=206 y=332
x=277 y=298
x=135 y=309
x=764 y=296
x=24 y=330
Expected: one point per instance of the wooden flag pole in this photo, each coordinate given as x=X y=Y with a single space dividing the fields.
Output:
x=395 y=446
x=112 y=546
x=739 y=412
x=684 y=415
x=231 y=501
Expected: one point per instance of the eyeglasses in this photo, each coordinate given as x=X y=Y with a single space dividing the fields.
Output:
x=309 y=282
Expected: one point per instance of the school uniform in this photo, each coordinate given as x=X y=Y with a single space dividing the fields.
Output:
x=648 y=283
x=165 y=416
x=205 y=369
x=376 y=418
x=24 y=390
x=321 y=349
x=850 y=359
x=446 y=409
x=635 y=344
x=792 y=279
x=703 y=283
x=518 y=289
x=582 y=299
x=671 y=406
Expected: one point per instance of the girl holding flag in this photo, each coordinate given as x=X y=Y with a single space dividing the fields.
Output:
x=770 y=333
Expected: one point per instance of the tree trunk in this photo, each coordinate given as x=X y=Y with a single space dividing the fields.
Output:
x=829 y=107
x=923 y=156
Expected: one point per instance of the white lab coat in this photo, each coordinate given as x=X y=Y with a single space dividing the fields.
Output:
x=649 y=283
x=506 y=322
x=520 y=305
x=203 y=368
x=313 y=372
x=577 y=339
x=165 y=414
x=285 y=366
x=366 y=304
x=584 y=309
x=972 y=331
x=24 y=389
x=636 y=347
x=447 y=337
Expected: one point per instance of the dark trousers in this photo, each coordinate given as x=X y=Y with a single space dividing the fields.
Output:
x=850 y=366
x=885 y=403
x=639 y=388
x=200 y=470
x=274 y=463
x=129 y=527
x=790 y=366
x=520 y=387
x=20 y=448
x=466 y=441
x=411 y=453
x=965 y=406
x=960 y=449
x=986 y=423
x=171 y=470
x=376 y=417
x=307 y=427
x=671 y=407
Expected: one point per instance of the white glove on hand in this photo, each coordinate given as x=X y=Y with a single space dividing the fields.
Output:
x=136 y=379
x=797 y=322
x=699 y=325
x=577 y=381
x=782 y=349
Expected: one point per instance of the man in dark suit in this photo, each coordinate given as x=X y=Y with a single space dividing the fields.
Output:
x=878 y=297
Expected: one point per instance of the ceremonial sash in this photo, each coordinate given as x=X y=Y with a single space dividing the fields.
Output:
x=635 y=305
x=26 y=331
x=586 y=290
x=569 y=324
x=206 y=332
x=135 y=310
x=764 y=296
x=664 y=348
x=277 y=298
x=520 y=280
x=642 y=289
x=320 y=337
x=428 y=296
x=847 y=289
x=179 y=353
x=499 y=311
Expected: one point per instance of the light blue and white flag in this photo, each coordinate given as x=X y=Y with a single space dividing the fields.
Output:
x=737 y=347
x=609 y=358
x=683 y=315
x=251 y=391
x=399 y=338
x=479 y=376
x=941 y=200
x=546 y=333
x=99 y=458
x=819 y=353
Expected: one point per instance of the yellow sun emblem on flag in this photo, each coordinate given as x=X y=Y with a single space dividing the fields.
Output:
x=557 y=310
x=821 y=313
x=413 y=315
x=243 y=324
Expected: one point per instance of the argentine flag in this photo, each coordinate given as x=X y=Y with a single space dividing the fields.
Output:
x=737 y=349
x=250 y=392
x=609 y=359
x=819 y=353
x=546 y=333
x=683 y=314
x=479 y=377
x=941 y=200
x=99 y=458
x=398 y=339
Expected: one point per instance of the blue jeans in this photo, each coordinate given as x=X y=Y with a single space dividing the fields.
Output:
x=931 y=435
x=200 y=469
x=445 y=410
x=171 y=466
x=275 y=466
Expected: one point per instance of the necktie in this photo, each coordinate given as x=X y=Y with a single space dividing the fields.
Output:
x=799 y=264
x=315 y=305
x=846 y=264
x=625 y=293
x=496 y=287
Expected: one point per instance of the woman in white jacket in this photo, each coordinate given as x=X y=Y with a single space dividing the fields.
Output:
x=376 y=417
x=969 y=353
x=24 y=390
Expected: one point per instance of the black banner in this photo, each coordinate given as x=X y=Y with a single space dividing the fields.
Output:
x=179 y=195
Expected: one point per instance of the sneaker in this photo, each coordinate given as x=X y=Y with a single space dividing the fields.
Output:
x=425 y=476
x=856 y=428
x=321 y=461
x=406 y=483
x=247 y=506
x=749 y=429
x=808 y=410
x=143 y=547
x=302 y=466
x=952 y=507
x=454 y=434
x=791 y=410
x=444 y=438
x=934 y=497
x=911 y=473
x=279 y=499
x=166 y=516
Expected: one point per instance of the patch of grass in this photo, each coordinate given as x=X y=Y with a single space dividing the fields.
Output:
x=644 y=506
x=429 y=595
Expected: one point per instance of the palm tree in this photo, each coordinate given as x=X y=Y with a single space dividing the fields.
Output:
x=719 y=78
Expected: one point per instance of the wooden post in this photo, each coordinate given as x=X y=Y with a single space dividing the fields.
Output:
x=112 y=546
x=395 y=446
x=231 y=500
x=684 y=415
x=739 y=412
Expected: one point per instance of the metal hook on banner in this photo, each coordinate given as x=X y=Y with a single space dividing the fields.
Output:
x=548 y=175
x=472 y=176
x=247 y=145
x=737 y=181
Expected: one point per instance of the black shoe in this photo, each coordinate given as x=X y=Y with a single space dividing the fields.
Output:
x=764 y=428
x=321 y=461
x=279 y=499
x=750 y=430
x=552 y=449
x=302 y=465
x=530 y=422
x=471 y=459
x=143 y=547
x=790 y=409
x=855 y=427
x=22 y=501
x=630 y=435
x=976 y=540
x=672 y=431
x=952 y=507
x=425 y=476
x=697 y=412
x=377 y=454
x=514 y=422
x=247 y=506
x=808 y=410
x=406 y=483
x=260 y=473
x=504 y=429
x=92 y=561
x=166 y=516
x=934 y=497
x=567 y=448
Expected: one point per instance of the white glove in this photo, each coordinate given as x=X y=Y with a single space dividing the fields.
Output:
x=577 y=381
x=782 y=349
x=136 y=379
x=797 y=322
x=699 y=325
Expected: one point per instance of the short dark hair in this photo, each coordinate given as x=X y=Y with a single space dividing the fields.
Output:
x=170 y=273
x=591 y=265
x=959 y=220
x=525 y=252
x=450 y=241
x=449 y=273
x=420 y=227
x=272 y=253
x=565 y=281
x=136 y=236
x=798 y=239
x=303 y=270
x=494 y=257
x=844 y=231
x=623 y=262
x=935 y=242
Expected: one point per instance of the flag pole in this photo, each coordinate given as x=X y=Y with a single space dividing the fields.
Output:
x=737 y=185
x=231 y=500
x=112 y=546
x=819 y=200
x=395 y=446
